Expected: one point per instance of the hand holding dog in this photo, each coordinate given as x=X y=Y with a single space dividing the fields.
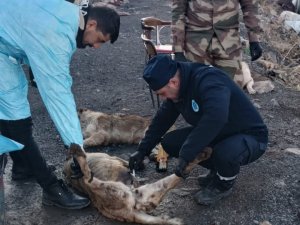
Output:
x=76 y=170
x=74 y=150
x=180 y=168
x=255 y=50
x=136 y=161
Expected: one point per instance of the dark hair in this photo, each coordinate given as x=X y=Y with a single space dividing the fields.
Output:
x=108 y=20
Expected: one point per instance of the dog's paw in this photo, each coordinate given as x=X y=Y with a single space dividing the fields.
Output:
x=89 y=142
x=176 y=221
x=249 y=87
x=172 y=221
x=251 y=91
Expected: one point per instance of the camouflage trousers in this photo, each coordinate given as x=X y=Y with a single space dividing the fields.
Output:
x=215 y=55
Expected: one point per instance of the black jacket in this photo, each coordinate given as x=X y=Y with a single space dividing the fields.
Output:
x=212 y=103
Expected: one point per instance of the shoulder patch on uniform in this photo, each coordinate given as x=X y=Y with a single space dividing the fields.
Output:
x=195 y=106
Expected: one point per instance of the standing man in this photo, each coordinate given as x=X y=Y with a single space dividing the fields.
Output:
x=44 y=35
x=207 y=31
x=220 y=116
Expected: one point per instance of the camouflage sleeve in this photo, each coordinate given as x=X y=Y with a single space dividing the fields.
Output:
x=251 y=18
x=178 y=24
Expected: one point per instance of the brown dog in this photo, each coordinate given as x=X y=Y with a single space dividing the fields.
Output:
x=103 y=129
x=116 y=200
x=104 y=167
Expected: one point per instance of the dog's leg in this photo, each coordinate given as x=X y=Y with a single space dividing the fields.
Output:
x=89 y=142
x=143 y=218
x=247 y=78
x=161 y=158
x=96 y=139
x=250 y=88
x=150 y=195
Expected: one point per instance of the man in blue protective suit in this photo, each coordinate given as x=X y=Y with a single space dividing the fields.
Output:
x=44 y=35
x=220 y=116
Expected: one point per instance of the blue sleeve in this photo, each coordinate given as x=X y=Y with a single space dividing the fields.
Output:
x=50 y=59
x=46 y=32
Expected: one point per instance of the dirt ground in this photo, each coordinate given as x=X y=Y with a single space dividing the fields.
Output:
x=110 y=80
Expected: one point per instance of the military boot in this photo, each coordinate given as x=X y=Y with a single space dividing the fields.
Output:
x=60 y=195
x=204 y=181
x=214 y=191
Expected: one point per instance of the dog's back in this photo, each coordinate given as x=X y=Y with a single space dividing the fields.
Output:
x=104 y=129
x=109 y=168
x=128 y=129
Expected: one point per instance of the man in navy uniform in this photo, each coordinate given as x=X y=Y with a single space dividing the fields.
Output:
x=220 y=116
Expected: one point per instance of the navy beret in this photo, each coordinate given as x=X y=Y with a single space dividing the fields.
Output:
x=159 y=70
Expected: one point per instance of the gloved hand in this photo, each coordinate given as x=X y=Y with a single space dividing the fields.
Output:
x=136 y=161
x=75 y=150
x=180 y=168
x=76 y=170
x=255 y=50
x=179 y=56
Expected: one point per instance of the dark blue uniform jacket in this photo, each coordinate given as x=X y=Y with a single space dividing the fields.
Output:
x=210 y=102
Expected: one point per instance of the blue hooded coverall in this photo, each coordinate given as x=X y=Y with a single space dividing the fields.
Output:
x=41 y=34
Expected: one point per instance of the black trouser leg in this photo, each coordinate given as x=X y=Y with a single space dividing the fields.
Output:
x=173 y=141
x=235 y=151
x=228 y=154
x=15 y=156
x=30 y=156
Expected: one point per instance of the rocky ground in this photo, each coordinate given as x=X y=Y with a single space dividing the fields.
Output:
x=109 y=80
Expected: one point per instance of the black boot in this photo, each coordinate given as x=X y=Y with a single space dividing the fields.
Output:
x=60 y=195
x=204 y=181
x=215 y=191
